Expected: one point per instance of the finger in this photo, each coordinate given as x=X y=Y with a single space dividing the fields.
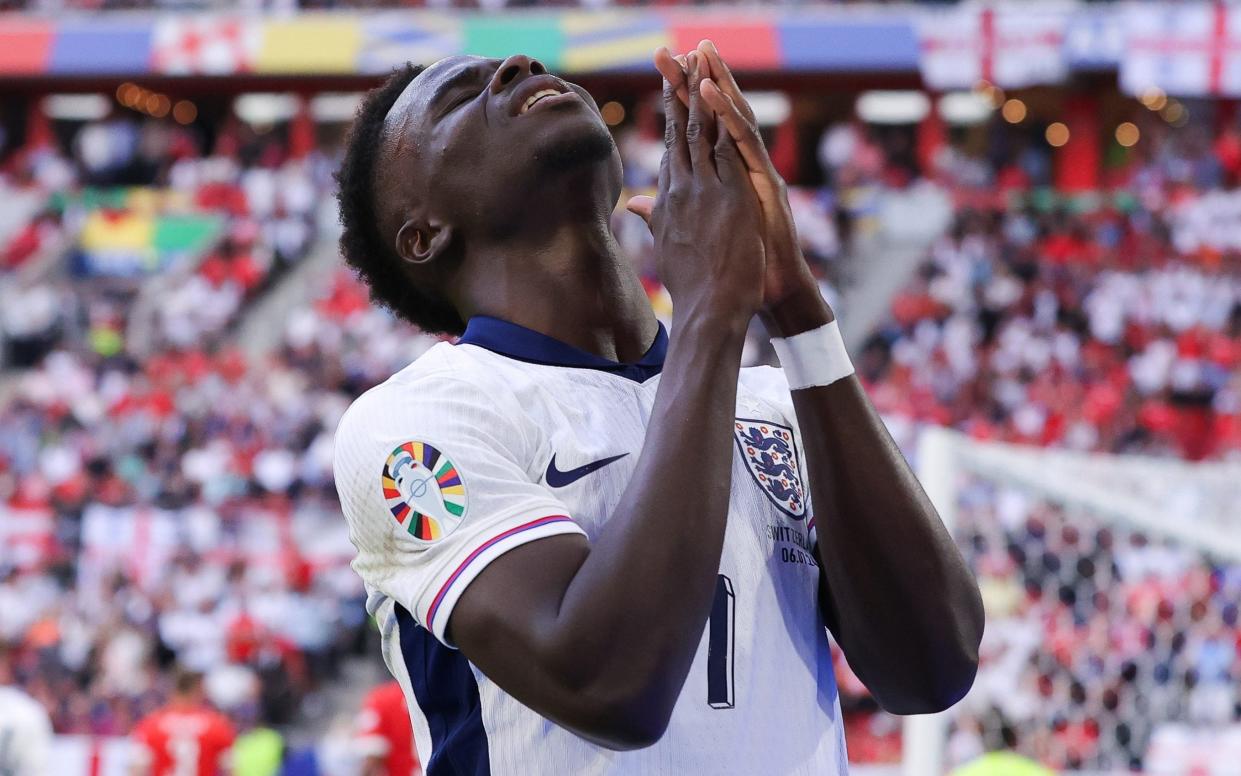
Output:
x=665 y=173
x=699 y=130
x=684 y=93
x=743 y=132
x=724 y=77
x=641 y=206
x=673 y=69
x=675 y=120
x=729 y=165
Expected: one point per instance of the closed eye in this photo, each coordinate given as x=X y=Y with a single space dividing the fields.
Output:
x=453 y=103
x=458 y=89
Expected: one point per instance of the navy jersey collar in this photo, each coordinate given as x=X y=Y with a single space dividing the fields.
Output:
x=514 y=341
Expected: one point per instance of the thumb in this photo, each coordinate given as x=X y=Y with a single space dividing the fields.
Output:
x=642 y=206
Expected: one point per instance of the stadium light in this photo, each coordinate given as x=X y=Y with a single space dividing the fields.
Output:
x=184 y=112
x=76 y=107
x=965 y=108
x=770 y=108
x=893 y=107
x=992 y=92
x=613 y=113
x=128 y=94
x=1014 y=111
x=1127 y=134
x=1175 y=114
x=158 y=105
x=1154 y=98
x=334 y=107
x=265 y=108
x=1057 y=134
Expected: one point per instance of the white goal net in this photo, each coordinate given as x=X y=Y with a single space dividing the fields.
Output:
x=1112 y=586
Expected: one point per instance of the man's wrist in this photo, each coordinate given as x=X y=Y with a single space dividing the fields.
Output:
x=813 y=358
x=798 y=312
x=711 y=317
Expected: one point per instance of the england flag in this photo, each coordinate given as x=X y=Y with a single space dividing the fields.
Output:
x=1010 y=46
x=206 y=45
x=1191 y=50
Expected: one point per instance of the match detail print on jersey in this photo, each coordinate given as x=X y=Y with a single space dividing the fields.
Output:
x=771 y=457
x=424 y=491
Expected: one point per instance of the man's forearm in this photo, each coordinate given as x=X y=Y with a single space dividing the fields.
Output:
x=907 y=611
x=641 y=603
x=606 y=655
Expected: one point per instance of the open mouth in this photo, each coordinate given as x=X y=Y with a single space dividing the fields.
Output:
x=538 y=92
x=538 y=97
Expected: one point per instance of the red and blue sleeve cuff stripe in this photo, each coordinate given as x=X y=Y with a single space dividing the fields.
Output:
x=439 y=597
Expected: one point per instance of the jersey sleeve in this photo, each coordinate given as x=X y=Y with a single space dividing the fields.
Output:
x=770 y=385
x=223 y=736
x=35 y=741
x=436 y=481
x=142 y=744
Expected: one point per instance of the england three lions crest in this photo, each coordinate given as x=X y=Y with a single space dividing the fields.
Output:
x=771 y=457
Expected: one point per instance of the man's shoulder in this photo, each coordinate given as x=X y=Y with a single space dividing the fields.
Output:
x=445 y=395
x=445 y=373
x=18 y=704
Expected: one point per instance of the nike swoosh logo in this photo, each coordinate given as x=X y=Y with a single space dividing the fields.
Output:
x=559 y=479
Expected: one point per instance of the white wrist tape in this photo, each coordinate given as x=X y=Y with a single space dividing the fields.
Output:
x=815 y=357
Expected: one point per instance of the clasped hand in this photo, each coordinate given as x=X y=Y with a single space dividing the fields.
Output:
x=700 y=97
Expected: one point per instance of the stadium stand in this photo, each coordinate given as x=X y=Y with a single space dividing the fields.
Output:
x=165 y=499
x=1104 y=323
x=1098 y=636
x=1110 y=325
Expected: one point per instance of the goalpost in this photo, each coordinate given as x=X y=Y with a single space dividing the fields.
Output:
x=1183 y=513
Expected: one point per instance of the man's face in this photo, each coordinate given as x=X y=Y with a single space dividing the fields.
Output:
x=479 y=137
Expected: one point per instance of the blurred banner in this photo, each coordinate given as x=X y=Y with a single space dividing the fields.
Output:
x=1192 y=49
x=1187 y=49
x=1009 y=46
x=134 y=231
x=873 y=39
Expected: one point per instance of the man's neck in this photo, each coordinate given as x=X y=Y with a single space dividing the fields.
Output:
x=574 y=285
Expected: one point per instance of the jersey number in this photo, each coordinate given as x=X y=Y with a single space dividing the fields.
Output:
x=184 y=752
x=721 y=630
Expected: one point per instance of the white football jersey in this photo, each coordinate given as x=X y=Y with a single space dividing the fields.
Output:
x=25 y=734
x=511 y=436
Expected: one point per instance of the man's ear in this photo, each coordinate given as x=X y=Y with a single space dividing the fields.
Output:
x=420 y=243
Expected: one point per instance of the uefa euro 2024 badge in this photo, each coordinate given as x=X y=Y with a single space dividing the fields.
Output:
x=771 y=457
x=424 y=491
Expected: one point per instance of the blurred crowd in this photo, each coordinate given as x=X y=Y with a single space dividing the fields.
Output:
x=1103 y=645
x=166 y=499
x=163 y=499
x=1107 y=323
x=125 y=202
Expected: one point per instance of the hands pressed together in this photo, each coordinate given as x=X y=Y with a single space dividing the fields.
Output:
x=720 y=199
x=706 y=219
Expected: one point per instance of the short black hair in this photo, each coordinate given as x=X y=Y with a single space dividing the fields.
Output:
x=372 y=256
x=186 y=680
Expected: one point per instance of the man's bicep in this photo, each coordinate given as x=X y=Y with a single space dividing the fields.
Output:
x=506 y=621
x=518 y=594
